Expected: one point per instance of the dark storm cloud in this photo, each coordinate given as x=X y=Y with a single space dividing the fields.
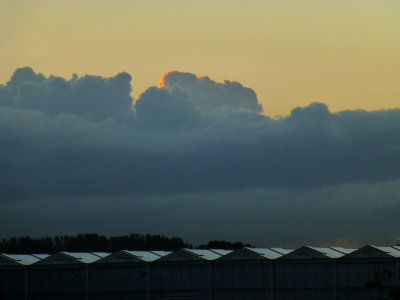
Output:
x=82 y=137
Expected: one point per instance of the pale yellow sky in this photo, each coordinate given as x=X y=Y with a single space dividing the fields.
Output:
x=345 y=53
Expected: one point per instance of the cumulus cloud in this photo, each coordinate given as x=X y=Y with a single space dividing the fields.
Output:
x=161 y=109
x=209 y=95
x=91 y=97
x=82 y=137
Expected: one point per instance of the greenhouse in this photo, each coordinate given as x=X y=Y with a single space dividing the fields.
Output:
x=248 y=273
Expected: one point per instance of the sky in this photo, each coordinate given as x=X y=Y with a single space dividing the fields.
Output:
x=343 y=53
x=275 y=123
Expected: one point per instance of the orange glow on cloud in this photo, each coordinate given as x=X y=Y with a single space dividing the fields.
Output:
x=162 y=83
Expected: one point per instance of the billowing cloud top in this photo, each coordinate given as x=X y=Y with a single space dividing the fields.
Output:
x=210 y=95
x=91 y=97
x=83 y=137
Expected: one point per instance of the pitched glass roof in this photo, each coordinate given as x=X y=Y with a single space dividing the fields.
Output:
x=205 y=254
x=282 y=250
x=150 y=256
x=23 y=259
x=101 y=254
x=161 y=252
x=266 y=252
x=146 y=256
x=329 y=252
x=396 y=247
x=221 y=251
x=84 y=257
x=392 y=251
x=41 y=256
x=344 y=250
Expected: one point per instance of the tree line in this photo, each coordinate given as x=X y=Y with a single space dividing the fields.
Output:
x=91 y=242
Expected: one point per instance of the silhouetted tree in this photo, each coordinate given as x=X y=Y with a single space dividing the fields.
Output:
x=224 y=245
x=91 y=242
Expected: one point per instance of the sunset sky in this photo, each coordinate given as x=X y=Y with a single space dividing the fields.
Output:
x=344 y=53
x=275 y=123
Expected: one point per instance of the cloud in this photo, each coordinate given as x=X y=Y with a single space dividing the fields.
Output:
x=192 y=152
x=81 y=137
x=349 y=215
x=91 y=97
x=163 y=109
x=209 y=95
x=23 y=75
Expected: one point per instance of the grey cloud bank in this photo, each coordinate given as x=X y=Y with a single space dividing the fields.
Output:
x=87 y=137
x=83 y=137
x=348 y=215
